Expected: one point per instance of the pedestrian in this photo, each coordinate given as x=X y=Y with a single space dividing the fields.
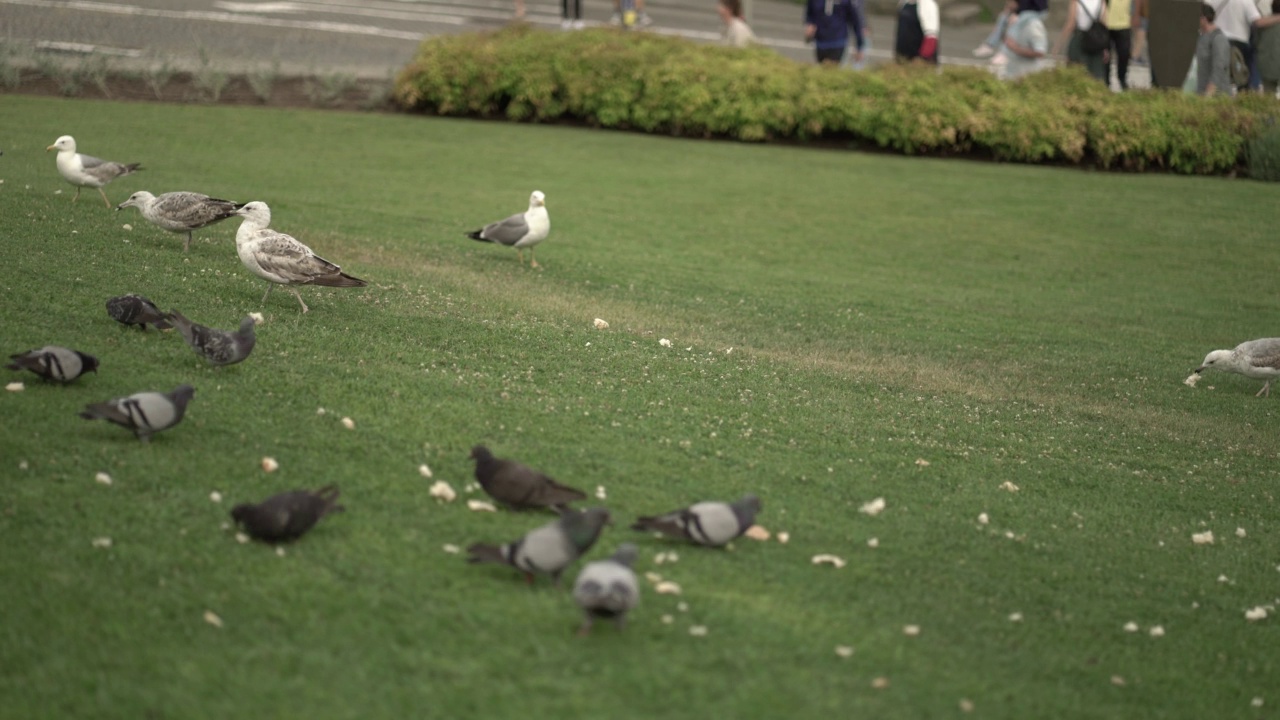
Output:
x=1268 y=51
x=571 y=15
x=827 y=24
x=1119 y=27
x=642 y=17
x=1081 y=15
x=1213 y=56
x=1236 y=19
x=917 y=32
x=519 y=9
x=736 y=31
x=1027 y=41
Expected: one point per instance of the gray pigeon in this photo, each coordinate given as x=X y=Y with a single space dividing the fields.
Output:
x=520 y=231
x=1257 y=359
x=136 y=310
x=145 y=413
x=549 y=549
x=181 y=212
x=608 y=588
x=706 y=523
x=287 y=516
x=219 y=347
x=54 y=363
x=518 y=486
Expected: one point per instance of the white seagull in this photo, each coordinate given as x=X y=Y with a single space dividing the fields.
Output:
x=522 y=230
x=180 y=212
x=280 y=259
x=1257 y=359
x=85 y=170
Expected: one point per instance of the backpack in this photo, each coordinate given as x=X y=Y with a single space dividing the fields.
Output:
x=1096 y=39
x=1239 y=68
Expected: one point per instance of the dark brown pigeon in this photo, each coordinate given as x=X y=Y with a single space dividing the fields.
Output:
x=287 y=516
x=52 y=362
x=136 y=310
x=520 y=487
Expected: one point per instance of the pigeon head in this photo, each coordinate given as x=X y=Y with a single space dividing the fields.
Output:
x=247 y=325
x=750 y=502
x=256 y=212
x=537 y=199
x=481 y=453
x=66 y=143
x=138 y=199
x=90 y=362
x=182 y=395
x=584 y=526
x=240 y=512
x=626 y=554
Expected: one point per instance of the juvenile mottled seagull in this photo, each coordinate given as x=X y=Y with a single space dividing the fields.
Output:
x=280 y=259
x=608 y=588
x=520 y=231
x=219 y=347
x=706 y=523
x=85 y=170
x=180 y=212
x=287 y=516
x=52 y=362
x=145 y=413
x=550 y=549
x=134 y=309
x=1257 y=359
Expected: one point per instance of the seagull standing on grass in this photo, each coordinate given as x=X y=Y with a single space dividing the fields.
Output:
x=520 y=231
x=180 y=212
x=280 y=259
x=1257 y=359
x=85 y=170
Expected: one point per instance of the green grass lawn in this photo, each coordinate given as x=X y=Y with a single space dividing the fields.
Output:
x=836 y=318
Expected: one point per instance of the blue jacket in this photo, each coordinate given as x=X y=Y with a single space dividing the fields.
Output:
x=833 y=18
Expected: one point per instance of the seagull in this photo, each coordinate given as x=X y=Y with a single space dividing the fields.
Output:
x=180 y=212
x=1257 y=359
x=85 y=170
x=280 y=259
x=522 y=230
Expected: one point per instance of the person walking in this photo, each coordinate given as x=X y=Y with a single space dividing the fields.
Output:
x=1236 y=19
x=1119 y=27
x=827 y=24
x=1213 y=56
x=736 y=31
x=917 y=33
x=1081 y=15
x=571 y=15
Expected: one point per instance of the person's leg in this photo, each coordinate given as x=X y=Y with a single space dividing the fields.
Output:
x=997 y=33
x=1120 y=42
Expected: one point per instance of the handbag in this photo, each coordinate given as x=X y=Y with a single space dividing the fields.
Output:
x=1096 y=39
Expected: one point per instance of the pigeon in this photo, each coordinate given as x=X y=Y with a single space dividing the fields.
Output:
x=85 y=170
x=219 y=347
x=608 y=588
x=549 y=549
x=180 y=212
x=1257 y=359
x=280 y=259
x=54 y=363
x=145 y=413
x=706 y=523
x=517 y=486
x=287 y=516
x=522 y=230
x=136 y=310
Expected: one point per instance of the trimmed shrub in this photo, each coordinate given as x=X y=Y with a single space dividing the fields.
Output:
x=656 y=84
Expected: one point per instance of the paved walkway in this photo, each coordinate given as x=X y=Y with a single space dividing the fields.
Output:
x=374 y=38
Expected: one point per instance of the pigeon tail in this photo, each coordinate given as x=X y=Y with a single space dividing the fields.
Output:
x=329 y=494
x=481 y=553
x=339 y=280
x=476 y=235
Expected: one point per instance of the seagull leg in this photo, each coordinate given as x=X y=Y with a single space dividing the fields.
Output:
x=104 y=198
x=77 y=195
x=1265 y=391
x=268 y=292
x=299 y=296
x=520 y=254
x=532 y=262
x=585 y=630
x=186 y=246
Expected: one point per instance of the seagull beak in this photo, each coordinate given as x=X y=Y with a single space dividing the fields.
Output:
x=1200 y=369
x=51 y=147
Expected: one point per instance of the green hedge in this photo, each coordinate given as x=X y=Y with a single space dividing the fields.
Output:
x=657 y=84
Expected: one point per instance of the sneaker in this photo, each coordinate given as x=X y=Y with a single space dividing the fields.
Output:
x=615 y=19
x=1000 y=59
x=566 y=24
x=644 y=20
x=984 y=51
x=578 y=24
